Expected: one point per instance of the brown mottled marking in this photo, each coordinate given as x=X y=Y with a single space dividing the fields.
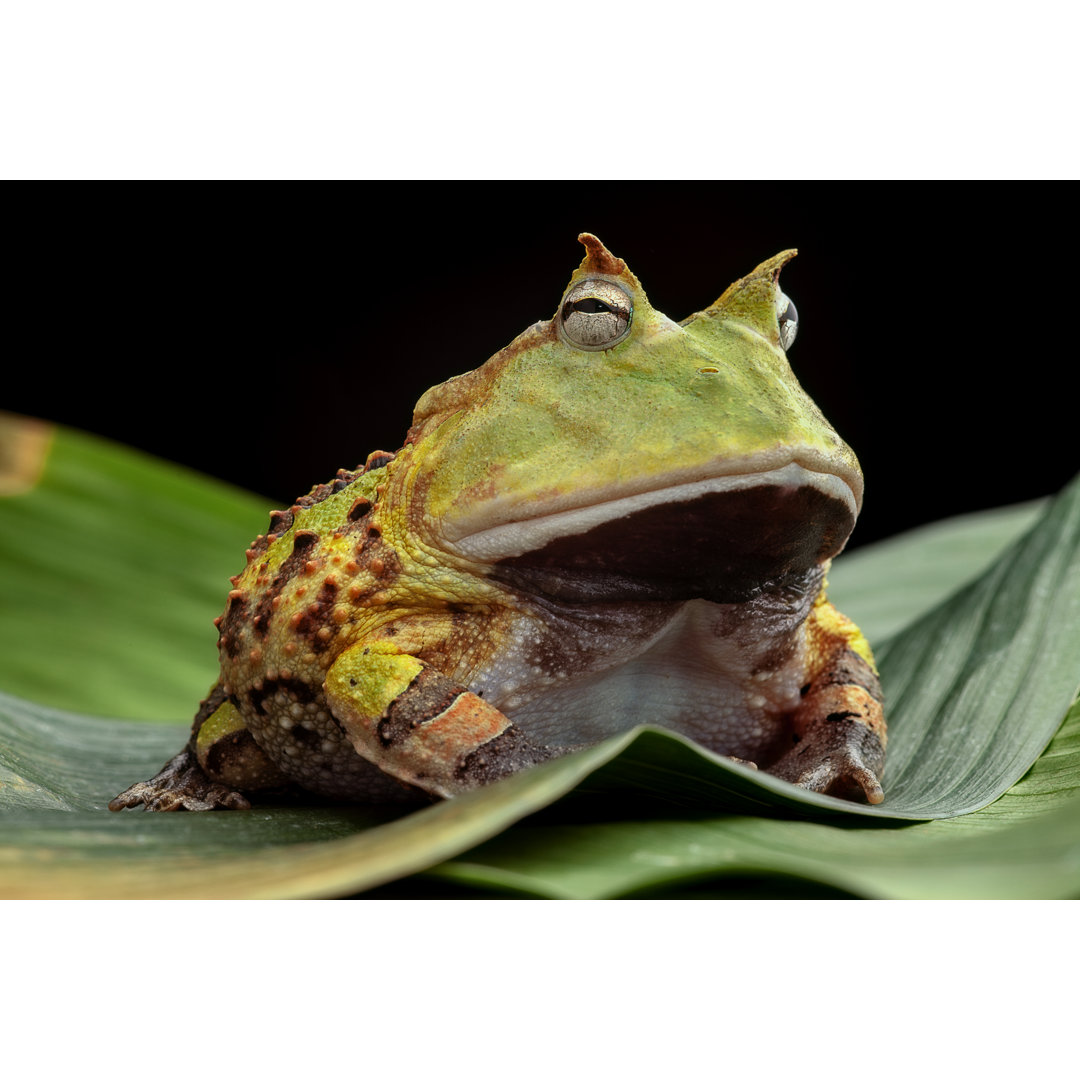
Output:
x=321 y=492
x=377 y=558
x=237 y=761
x=314 y=622
x=269 y=601
x=305 y=736
x=360 y=508
x=377 y=459
x=233 y=623
x=280 y=522
x=260 y=619
x=303 y=540
x=505 y=754
x=850 y=669
x=428 y=695
x=294 y=689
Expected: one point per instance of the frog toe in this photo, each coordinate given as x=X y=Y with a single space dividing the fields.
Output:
x=845 y=776
x=181 y=785
x=839 y=755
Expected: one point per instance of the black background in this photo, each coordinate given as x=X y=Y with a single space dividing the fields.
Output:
x=270 y=333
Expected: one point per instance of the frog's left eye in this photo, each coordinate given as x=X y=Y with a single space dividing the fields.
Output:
x=595 y=315
x=788 y=318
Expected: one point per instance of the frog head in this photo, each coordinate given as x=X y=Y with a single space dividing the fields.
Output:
x=611 y=453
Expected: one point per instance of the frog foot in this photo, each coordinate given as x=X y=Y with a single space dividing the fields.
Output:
x=842 y=772
x=841 y=752
x=181 y=785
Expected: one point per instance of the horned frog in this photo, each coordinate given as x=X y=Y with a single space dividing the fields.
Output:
x=616 y=520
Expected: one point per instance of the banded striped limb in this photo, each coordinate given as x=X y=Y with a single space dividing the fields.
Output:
x=838 y=730
x=420 y=726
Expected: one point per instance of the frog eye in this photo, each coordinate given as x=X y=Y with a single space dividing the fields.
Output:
x=788 y=318
x=595 y=315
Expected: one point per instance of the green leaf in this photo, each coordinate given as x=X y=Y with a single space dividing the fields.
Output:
x=115 y=564
x=887 y=586
x=57 y=771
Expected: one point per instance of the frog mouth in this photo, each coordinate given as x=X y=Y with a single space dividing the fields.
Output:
x=724 y=539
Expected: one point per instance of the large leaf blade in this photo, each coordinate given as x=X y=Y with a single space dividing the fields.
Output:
x=976 y=687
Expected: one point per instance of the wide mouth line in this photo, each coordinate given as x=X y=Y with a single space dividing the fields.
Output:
x=515 y=538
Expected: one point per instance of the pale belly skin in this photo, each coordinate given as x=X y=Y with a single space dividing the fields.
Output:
x=707 y=671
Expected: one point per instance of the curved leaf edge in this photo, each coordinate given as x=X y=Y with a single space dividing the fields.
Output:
x=1023 y=846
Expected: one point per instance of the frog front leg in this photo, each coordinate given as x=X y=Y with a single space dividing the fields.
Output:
x=420 y=726
x=220 y=761
x=838 y=730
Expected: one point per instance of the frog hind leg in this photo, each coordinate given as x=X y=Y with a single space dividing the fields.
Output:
x=420 y=726
x=838 y=730
x=220 y=760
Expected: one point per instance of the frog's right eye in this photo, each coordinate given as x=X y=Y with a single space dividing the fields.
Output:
x=595 y=315
x=788 y=319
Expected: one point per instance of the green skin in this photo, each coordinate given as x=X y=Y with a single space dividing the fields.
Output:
x=616 y=520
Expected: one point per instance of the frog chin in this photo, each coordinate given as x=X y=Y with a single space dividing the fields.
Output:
x=726 y=538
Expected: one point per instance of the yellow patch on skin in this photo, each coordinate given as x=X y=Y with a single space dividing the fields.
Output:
x=243 y=765
x=827 y=626
x=370 y=677
x=224 y=720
